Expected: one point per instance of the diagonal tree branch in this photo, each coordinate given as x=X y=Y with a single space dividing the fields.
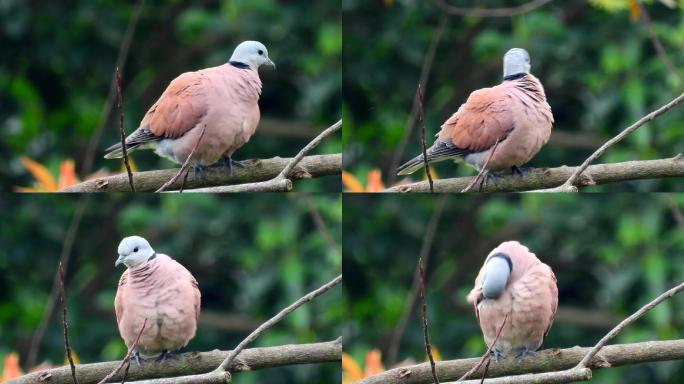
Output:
x=569 y=185
x=107 y=106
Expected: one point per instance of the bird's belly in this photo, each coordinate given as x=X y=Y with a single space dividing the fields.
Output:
x=222 y=135
x=522 y=330
x=521 y=145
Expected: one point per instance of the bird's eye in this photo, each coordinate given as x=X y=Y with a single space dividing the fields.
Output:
x=135 y=249
x=261 y=52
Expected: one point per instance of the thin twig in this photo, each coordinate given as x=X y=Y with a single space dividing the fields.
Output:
x=483 y=170
x=185 y=165
x=119 y=105
x=658 y=45
x=421 y=121
x=320 y=223
x=624 y=323
x=257 y=332
x=491 y=12
x=65 y=324
x=125 y=375
x=423 y=79
x=424 y=255
x=484 y=374
x=107 y=106
x=569 y=185
x=676 y=213
x=486 y=356
x=426 y=336
x=65 y=255
x=127 y=358
x=285 y=173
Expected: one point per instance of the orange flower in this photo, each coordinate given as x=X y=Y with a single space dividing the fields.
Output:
x=352 y=183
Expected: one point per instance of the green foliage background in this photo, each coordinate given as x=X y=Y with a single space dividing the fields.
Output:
x=599 y=68
x=611 y=254
x=57 y=61
x=252 y=256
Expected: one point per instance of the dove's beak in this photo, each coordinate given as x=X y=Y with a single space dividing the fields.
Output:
x=271 y=64
x=119 y=261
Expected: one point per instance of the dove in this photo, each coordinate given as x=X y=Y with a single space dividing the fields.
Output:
x=222 y=100
x=513 y=116
x=514 y=285
x=157 y=291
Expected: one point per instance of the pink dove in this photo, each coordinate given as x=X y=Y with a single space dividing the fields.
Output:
x=514 y=113
x=156 y=291
x=223 y=99
x=514 y=284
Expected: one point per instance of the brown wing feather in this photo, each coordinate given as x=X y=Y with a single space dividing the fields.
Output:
x=481 y=121
x=179 y=108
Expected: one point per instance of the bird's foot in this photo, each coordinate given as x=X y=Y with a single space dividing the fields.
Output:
x=497 y=355
x=165 y=355
x=486 y=178
x=520 y=171
x=138 y=359
x=524 y=352
x=200 y=172
x=230 y=163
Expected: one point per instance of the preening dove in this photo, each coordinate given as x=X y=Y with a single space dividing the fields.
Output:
x=515 y=285
x=224 y=99
x=157 y=288
x=514 y=113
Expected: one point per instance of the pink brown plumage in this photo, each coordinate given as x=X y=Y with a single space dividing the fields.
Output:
x=222 y=100
x=157 y=291
x=513 y=118
x=514 y=285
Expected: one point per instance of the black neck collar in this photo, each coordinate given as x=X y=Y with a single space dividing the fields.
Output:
x=153 y=256
x=516 y=76
x=505 y=257
x=238 y=64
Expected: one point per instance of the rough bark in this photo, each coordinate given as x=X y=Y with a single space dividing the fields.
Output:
x=543 y=361
x=254 y=171
x=541 y=178
x=194 y=363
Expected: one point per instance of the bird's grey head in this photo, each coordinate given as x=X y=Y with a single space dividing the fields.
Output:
x=516 y=62
x=498 y=268
x=252 y=54
x=133 y=251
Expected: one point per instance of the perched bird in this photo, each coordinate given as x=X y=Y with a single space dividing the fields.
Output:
x=514 y=113
x=157 y=288
x=515 y=285
x=224 y=99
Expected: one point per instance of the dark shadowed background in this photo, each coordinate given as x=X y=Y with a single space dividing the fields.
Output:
x=611 y=254
x=598 y=66
x=58 y=59
x=252 y=256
